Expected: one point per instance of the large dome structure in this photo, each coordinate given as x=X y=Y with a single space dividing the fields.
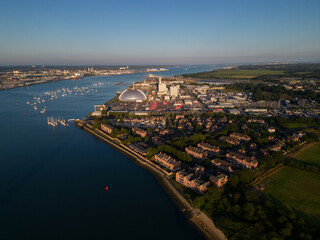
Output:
x=132 y=95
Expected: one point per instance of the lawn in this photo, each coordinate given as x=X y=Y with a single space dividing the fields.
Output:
x=296 y=190
x=310 y=155
x=297 y=125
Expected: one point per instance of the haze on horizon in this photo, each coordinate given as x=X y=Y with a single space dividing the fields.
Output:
x=128 y=32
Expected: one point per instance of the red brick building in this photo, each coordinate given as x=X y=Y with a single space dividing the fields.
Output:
x=139 y=131
x=208 y=147
x=230 y=140
x=223 y=165
x=167 y=161
x=219 y=180
x=240 y=136
x=242 y=160
x=106 y=128
x=188 y=180
x=196 y=152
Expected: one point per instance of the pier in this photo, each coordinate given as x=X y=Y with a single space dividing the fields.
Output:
x=54 y=122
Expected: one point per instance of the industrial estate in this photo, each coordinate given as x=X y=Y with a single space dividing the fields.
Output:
x=217 y=141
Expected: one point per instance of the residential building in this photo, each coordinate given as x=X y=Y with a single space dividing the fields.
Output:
x=196 y=152
x=167 y=161
x=208 y=147
x=219 y=179
x=230 y=140
x=271 y=130
x=106 y=128
x=188 y=180
x=240 y=136
x=158 y=141
x=224 y=165
x=276 y=147
x=162 y=88
x=242 y=160
x=140 y=148
x=174 y=91
x=139 y=131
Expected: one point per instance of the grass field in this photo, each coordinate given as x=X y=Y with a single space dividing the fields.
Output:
x=296 y=190
x=235 y=73
x=297 y=125
x=310 y=155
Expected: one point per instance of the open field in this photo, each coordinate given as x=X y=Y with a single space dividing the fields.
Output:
x=296 y=190
x=313 y=130
x=310 y=155
x=235 y=73
x=297 y=125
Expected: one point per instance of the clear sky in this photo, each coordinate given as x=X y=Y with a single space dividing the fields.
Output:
x=158 y=32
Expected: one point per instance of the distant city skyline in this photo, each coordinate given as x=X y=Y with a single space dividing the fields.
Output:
x=158 y=33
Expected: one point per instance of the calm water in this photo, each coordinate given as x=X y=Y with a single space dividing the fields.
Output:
x=52 y=180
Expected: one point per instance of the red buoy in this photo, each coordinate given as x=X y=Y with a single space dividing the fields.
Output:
x=107 y=188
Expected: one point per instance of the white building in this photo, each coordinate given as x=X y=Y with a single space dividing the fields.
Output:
x=174 y=91
x=162 y=88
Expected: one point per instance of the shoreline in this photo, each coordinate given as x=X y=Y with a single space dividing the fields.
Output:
x=36 y=83
x=198 y=219
x=51 y=81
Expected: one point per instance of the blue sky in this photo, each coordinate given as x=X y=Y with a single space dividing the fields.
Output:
x=158 y=32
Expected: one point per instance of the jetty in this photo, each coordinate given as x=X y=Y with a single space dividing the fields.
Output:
x=54 y=122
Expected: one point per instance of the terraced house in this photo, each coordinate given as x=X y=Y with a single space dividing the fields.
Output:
x=240 y=136
x=224 y=165
x=276 y=147
x=208 y=147
x=241 y=160
x=106 y=128
x=196 y=152
x=139 y=131
x=230 y=140
x=167 y=161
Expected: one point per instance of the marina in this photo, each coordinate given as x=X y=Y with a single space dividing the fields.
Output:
x=56 y=121
x=60 y=92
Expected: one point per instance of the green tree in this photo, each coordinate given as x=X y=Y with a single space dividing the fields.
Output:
x=199 y=202
x=248 y=209
x=96 y=124
x=236 y=209
x=246 y=176
x=196 y=138
x=233 y=180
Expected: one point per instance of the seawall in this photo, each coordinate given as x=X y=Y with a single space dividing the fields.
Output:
x=202 y=223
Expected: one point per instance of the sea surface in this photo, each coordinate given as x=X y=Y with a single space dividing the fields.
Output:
x=53 y=179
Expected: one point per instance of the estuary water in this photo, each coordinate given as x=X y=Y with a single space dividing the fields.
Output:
x=53 y=179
